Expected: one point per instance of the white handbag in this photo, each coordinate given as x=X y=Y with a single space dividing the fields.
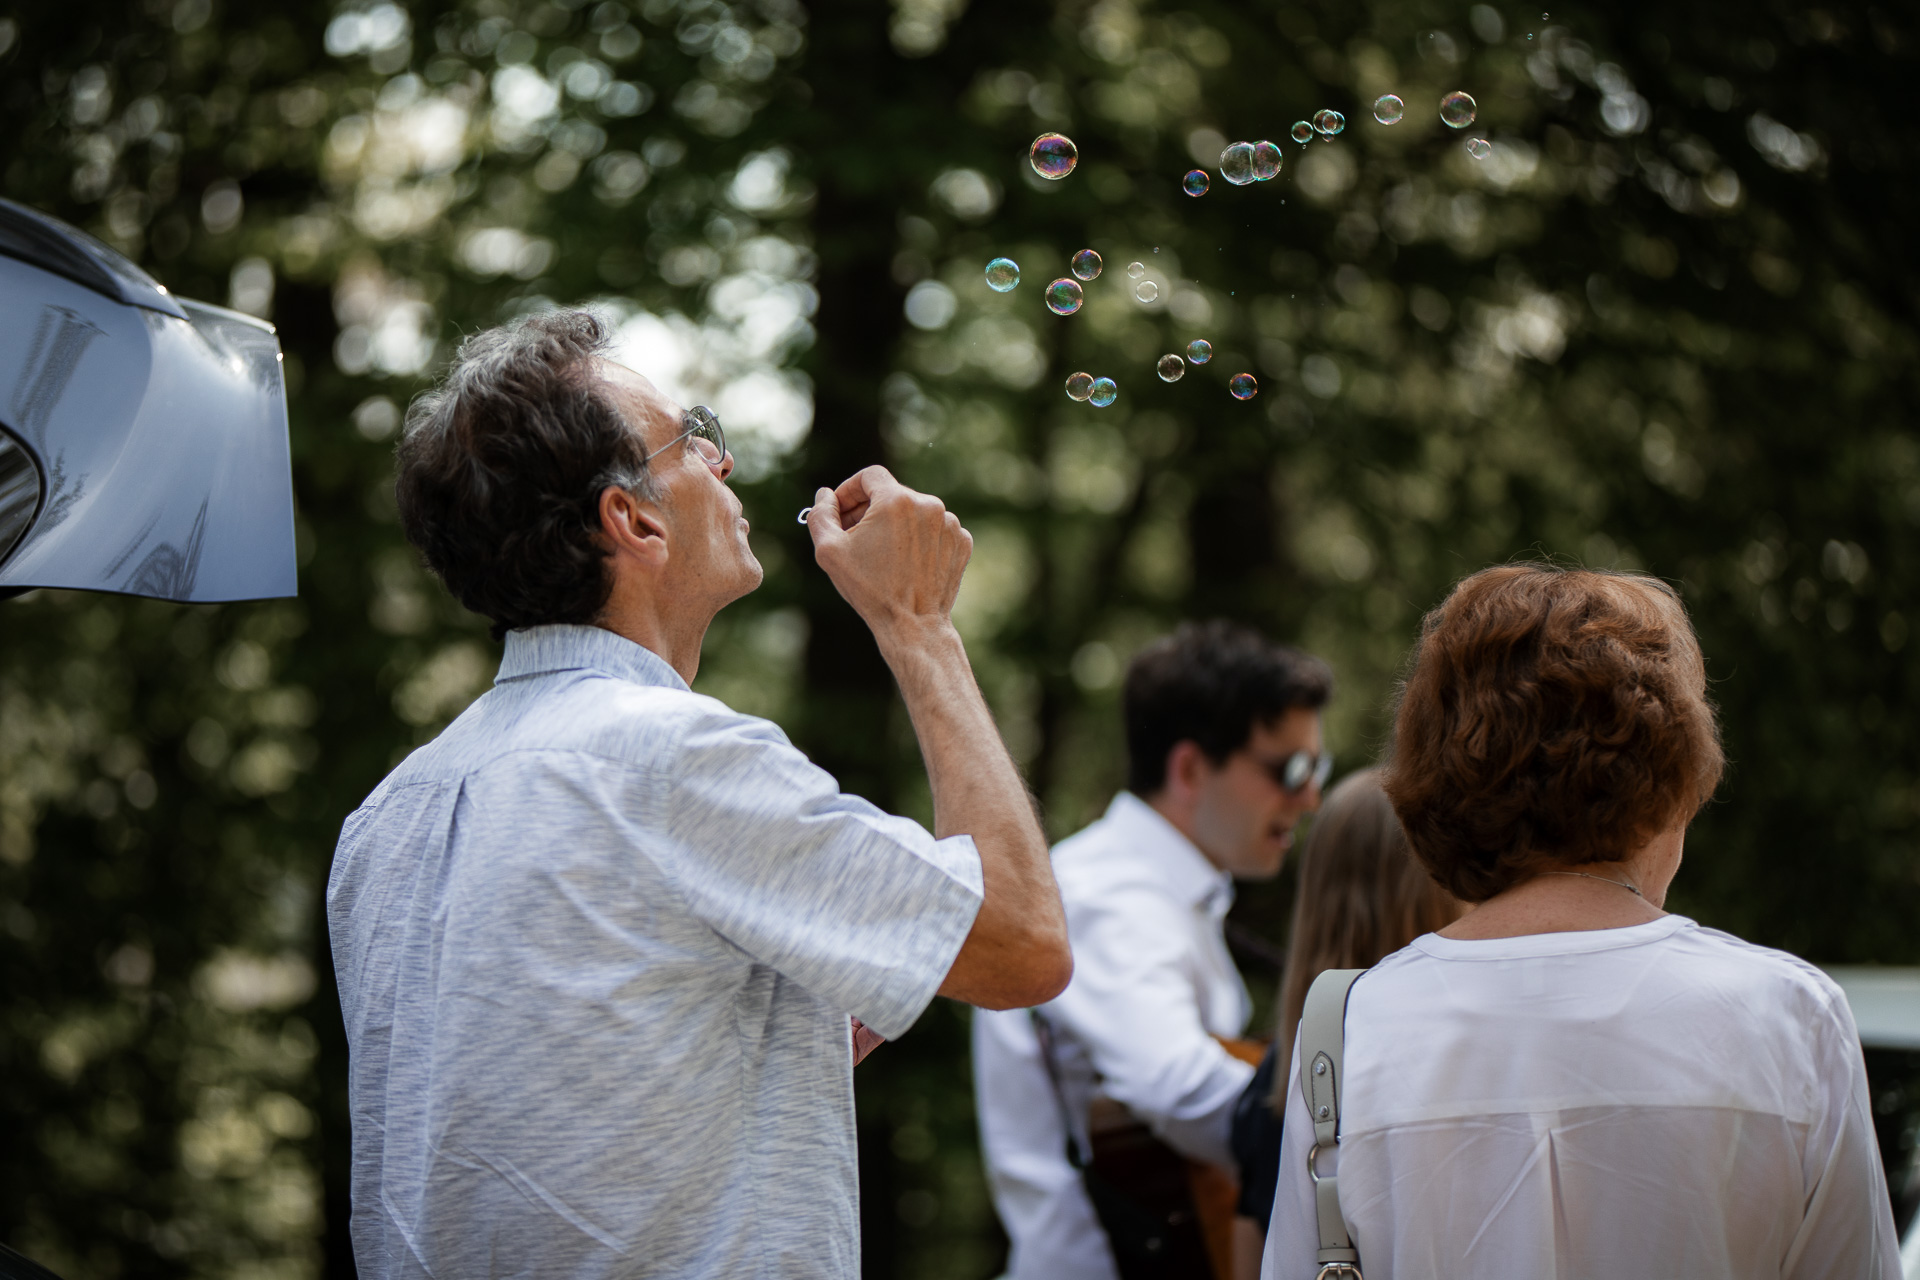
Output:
x=1323 y=1036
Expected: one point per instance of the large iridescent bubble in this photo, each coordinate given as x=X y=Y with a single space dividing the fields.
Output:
x=1053 y=155
x=1064 y=296
x=1147 y=291
x=1086 y=264
x=1266 y=161
x=1079 y=386
x=1302 y=132
x=1236 y=163
x=1002 y=275
x=1458 y=109
x=1199 y=351
x=1195 y=183
x=1388 y=109
x=1102 y=393
x=1171 y=368
x=1243 y=386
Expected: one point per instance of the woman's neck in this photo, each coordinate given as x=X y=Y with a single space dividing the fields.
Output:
x=1595 y=895
x=1597 y=899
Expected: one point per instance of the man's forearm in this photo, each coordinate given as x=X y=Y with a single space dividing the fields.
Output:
x=1016 y=954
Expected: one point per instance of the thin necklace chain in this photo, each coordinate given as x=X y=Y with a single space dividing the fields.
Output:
x=1632 y=889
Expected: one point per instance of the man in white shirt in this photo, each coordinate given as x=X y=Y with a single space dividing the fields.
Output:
x=1224 y=758
x=601 y=944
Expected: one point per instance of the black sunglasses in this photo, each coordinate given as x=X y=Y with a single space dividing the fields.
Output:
x=1302 y=767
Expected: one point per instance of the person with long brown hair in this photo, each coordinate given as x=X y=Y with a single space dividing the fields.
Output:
x=1361 y=897
x=1568 y=1081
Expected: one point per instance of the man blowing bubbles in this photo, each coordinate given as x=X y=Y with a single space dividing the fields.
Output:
x=599 y=942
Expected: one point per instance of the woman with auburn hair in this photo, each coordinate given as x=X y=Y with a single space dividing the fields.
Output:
x=1568 y=1083
x=1361 y=897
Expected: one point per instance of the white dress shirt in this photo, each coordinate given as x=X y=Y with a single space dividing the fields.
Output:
x=597 y=945
x=1656 y=1101
x=1152 y=985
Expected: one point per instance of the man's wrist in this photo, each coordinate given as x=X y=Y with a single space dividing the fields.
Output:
x=909 y=640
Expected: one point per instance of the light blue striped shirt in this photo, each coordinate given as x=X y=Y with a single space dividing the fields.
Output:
x=597 y=945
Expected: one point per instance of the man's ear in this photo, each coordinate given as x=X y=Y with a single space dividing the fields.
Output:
x=630 y=527
x=1187 y=768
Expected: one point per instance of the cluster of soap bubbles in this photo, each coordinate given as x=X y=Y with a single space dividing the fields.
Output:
x=1244 y=162
x=1054 y=156
x=1098 y=392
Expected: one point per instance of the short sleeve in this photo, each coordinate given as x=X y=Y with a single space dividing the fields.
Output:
x=1848 y=1228
x=862 y=908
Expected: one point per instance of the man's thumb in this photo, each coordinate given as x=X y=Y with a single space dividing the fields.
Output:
x=825 y=520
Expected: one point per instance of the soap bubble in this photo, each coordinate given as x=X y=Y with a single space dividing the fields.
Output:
x=1243 y=386
x=1302 y=132
x=1266 y=161
x=1135 y=270
x=1002 y=275
x=1328 y=122
x=1236 y=163
x=1147 y=291
x=1199 y=351
x=1079 y=386
x=1053 y=155
x=1064 y=296
x=1195 y=183
x=1086 y=264
x=1458 y=109
x=1388 y=109
x=1479 y=148
x=1171 y=368
x=1102 y=393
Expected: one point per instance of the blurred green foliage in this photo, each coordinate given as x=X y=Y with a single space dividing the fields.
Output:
x=1668 y=324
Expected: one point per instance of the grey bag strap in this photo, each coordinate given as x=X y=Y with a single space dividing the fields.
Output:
x=1323 y=1038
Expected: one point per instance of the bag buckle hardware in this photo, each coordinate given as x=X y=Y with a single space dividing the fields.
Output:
x=1338 y=1271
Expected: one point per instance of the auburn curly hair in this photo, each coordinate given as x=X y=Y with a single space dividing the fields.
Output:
x=1550 y=718
x=502 y=467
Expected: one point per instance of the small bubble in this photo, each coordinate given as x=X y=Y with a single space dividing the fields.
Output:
x=1135 y=270
x=1302 y=132
x=1102 y=393
x=1458 y=109
x=1199 y=351
x=1236 y=163
x=1086 y=264
x=1079 y=386
x=1195 y=183
x=1328 y=122
x=1064 y=296
x=1147 y=291
x=1479 y=148
x=1002 y=275
x=1171 y=368
x=1388 y=109
x=1053 y=155
x=1266 y=161
x=1243 y=386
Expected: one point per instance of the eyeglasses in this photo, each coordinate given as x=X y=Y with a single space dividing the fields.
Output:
x=1294 y=773
x=703 y=434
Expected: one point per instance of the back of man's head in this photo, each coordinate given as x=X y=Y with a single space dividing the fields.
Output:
x=502 y=467
x=1211 y=683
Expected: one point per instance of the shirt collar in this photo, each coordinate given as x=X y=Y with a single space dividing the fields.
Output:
x=535 y=651
x=1177 y=861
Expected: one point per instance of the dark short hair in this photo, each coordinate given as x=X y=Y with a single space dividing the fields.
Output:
x=1551 y=718
x=1210 y=683
x=502 y=467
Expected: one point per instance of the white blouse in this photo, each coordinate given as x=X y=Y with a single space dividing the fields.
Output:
x=1660 y=1101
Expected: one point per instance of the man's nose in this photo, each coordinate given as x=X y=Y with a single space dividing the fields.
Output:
x=726 y=466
